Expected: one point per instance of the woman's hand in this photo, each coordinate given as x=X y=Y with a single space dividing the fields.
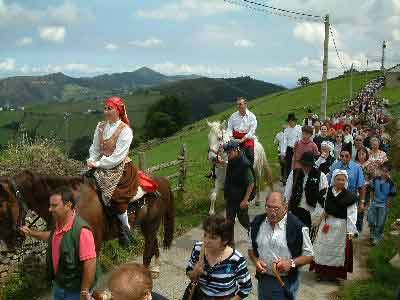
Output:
x=91 y=164
x=197 y=271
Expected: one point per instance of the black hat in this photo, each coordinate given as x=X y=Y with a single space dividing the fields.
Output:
x=307 y=159
x=231 y=145
x=291 y=117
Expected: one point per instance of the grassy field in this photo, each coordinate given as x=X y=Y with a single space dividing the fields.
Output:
x=49 y=118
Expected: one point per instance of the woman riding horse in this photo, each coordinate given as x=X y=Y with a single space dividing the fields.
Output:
x=116 y=176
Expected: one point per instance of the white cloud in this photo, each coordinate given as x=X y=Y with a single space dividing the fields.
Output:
x=7 y=65
x=171 y=68
x=66 y=13
x=311 y=33
x=24 y=41
x=396 y=34
x=17 y=14
x=111 y=47
x=71 y=68
x=54 y=34
x=244 y=43
x=149 y=43
x=181 y=10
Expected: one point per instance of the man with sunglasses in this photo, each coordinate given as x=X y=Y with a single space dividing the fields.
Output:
x=278 y=237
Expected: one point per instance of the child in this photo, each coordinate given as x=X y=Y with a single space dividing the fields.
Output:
x=383 y=189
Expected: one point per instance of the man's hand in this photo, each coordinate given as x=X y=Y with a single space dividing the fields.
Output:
x=244 y=204
x=283 y=265
x=261 y=266
x=25 y=230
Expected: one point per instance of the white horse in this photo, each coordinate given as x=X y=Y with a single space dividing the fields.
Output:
x=217 y=137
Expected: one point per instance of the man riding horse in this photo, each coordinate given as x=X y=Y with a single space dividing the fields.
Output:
x=117 y=178
x=242 y=127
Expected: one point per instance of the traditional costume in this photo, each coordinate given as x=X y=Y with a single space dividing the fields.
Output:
x=290 y=136
x=244 y=126
x=117 y=178
x=333 y=249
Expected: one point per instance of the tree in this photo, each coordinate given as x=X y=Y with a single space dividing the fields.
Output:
x=303 y=81
x=80 y=148
x=166 y=116
x=160 y=125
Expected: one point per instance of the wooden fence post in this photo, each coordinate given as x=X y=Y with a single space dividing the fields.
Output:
x=142 y=161
x=182 y=171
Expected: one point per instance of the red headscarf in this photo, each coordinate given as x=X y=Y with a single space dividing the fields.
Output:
x=119 y=105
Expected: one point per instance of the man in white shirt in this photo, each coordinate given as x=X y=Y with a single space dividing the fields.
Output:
x=242 y=127
x=278 y=141
x=291 y=135
x=278 y=237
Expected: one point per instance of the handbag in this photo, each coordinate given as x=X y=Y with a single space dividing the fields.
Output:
x=191 y=289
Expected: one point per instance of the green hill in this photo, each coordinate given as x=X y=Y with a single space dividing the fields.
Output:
x=208 y=96
x=271 y=111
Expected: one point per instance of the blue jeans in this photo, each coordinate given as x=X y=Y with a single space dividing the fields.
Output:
x=61 y=294
x=377 y=218
x=269 y=288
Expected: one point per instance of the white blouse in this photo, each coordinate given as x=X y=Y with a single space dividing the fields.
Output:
x=121 y=150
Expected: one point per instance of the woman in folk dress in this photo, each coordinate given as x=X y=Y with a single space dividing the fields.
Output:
x=333 y=249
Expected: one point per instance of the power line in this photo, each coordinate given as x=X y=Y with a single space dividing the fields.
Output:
x=270 y=10
x=283 y=10
x=336 y=49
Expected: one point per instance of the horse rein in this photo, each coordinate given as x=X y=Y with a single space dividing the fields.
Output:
x=23 y=207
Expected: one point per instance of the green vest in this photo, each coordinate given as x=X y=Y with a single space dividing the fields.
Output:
x=70 y=268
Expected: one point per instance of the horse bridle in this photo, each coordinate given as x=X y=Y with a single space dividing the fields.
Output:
x=23 y=207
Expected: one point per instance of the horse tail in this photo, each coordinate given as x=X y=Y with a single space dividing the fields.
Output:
x=262 y=165
x=169 y=219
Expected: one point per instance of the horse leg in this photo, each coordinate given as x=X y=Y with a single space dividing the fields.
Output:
x=213 y=198
x=156 y=268
x=148 y=244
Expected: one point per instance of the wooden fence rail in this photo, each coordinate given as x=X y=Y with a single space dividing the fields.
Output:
x=181 y=174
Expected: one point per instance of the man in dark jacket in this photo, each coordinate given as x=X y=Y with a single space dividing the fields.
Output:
x=305 y=188
x=239 y=185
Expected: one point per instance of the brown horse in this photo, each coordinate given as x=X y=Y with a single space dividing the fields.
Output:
x=29 y=190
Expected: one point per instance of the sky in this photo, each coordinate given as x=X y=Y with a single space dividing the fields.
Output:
x=214 y=38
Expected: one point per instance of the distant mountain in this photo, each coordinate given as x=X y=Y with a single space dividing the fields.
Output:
x=208 y=96
x=23 y=90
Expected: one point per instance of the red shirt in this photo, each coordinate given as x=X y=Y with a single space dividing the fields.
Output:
x=87 y=248
x=301 y=147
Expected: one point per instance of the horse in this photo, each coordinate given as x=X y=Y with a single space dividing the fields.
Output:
x=217 y=137
x=29 y=190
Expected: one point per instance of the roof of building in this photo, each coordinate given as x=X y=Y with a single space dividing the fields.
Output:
x=395 y=69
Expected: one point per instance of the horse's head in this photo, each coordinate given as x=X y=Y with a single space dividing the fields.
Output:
x=217 y=135
x=12 y=215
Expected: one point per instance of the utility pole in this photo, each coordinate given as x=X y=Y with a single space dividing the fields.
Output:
x=66 y=139
x=351 y=82
x=383 y=57
x=324 y=94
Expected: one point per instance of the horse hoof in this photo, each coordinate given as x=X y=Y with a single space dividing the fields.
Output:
x=155 y=272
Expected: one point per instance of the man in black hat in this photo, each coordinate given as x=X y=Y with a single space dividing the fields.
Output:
x=239 y=185
x=305 y=189
x=291 y=135
x=308 y=120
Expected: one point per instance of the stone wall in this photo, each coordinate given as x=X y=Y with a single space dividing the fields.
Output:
x=29 y=256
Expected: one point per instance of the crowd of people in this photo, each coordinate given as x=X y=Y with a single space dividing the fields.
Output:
x=333 y=171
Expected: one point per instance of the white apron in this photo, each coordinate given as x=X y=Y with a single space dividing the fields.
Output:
x=330 y=248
